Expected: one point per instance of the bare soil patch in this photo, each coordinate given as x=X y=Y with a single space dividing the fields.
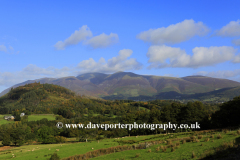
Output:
x=5 y=148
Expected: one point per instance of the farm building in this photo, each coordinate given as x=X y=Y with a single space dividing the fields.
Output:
x=8 y=117
x=22 y=114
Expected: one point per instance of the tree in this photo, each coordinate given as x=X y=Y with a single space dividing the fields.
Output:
x=60 y=117
x=154 y=114
x=24 y=119
x=54 y=157
x=16 y=114
x=17 y=117
x=45 y=135
x=18 y=136
x=228 y=115
x=111 y=114
x=6 y=140
x=90 y=114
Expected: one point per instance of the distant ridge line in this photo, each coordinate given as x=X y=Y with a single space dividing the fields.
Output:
x=130 y=84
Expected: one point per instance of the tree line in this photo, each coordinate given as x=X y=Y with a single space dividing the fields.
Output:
x=72 y=109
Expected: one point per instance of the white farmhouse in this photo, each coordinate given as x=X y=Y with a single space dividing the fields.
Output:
x=22 y=114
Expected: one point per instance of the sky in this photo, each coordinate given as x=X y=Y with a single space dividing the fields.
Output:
x=165 y=38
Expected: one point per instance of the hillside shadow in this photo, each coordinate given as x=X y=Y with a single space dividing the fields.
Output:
x=226 y=153
x=221 y=93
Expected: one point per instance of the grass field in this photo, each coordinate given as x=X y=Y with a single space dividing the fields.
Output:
x=183 y=151
x=33 y=117
x=3 y=121
x=67 y=149
x=106 y=115
x=43 y=152
x=36 y=117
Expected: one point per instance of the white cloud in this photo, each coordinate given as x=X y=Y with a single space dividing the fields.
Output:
x=222 y=74
x=32 y=72
x=170 y=75
x=83 y=35
x=102 y=40
x=3 y=48
x=202 y=56
x=50 y=71
x=232 y=29
x=174 y=33
x=119 y=63
x=123 y=55
x=236 y=42
x=75 y=38
x=11 y=48
x=236 y=59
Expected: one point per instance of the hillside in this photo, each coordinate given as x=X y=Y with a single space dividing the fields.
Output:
x=215 y=83
x=70 y=109
x=221 y=95
x=128 y=84
x=34 y=97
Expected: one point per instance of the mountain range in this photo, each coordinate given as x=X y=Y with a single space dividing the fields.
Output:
x=128 y=84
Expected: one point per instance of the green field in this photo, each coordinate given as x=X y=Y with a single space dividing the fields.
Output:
x=65 y=150
x=33 y=117
x=183 y=151
x=43 y=152
x=3 y=121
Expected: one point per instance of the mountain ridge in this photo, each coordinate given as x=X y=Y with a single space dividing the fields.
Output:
x=132 y=85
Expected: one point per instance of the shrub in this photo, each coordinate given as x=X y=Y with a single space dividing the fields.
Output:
x=169 y=142
x=219 y=136
x=193 y=138
x=158 y=148
x=238 y=132
x=161 y=147
x=225 y=146
x=200 y=136
x=225 y=131
x=189 y=139
x=137 y=155
x=172 y=149
x=99 y=137
x=206 y=139
x=54 y=157
x=234 y=134
x=183 y=141
x=60 y=139
x=193 y=155
x=177 y=143
x=174 y=145
x=164 y=148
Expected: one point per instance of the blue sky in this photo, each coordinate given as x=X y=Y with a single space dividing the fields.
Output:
x=166 y=38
